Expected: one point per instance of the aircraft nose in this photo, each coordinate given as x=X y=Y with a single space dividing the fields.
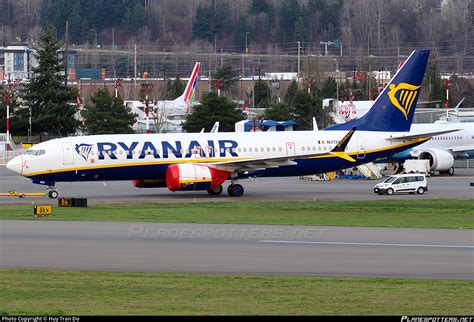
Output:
x=15 y=165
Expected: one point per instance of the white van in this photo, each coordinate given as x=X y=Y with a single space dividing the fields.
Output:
x=407 y=182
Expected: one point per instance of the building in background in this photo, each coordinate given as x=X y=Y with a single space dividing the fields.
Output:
x=16 y=62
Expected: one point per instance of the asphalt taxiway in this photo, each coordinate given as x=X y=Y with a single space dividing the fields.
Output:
x=258 y=189
x=250 y=249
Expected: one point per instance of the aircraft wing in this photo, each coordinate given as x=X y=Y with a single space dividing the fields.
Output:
x=273 y=162
x=420 y=135
x=462 y=148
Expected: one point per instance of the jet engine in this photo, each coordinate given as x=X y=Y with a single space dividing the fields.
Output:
x=185 y=177
x=440 y=160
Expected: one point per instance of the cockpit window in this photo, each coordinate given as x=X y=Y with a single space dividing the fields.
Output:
x=35 y=152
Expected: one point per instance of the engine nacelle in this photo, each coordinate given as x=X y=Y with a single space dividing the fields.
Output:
x=440 y=160
x=149 y=183
x=184 y=177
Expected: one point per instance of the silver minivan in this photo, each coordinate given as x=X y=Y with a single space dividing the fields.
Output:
x=407 y=182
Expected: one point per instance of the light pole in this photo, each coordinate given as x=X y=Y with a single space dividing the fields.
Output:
x=246 y=47
x=95 y=43
x=337 y=79
x=215 y=43
x=95 y=36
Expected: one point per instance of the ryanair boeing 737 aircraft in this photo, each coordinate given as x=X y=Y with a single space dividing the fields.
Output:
x=204 y=161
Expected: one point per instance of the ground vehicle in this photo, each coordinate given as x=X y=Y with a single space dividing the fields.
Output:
x=406 y=182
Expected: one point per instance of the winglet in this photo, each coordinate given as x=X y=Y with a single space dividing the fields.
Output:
x=339 y=149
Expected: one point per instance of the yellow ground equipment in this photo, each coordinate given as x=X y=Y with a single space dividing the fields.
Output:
x=23 y=194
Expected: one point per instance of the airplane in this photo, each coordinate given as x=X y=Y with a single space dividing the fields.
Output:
x=204 y=161
x=182 y=105
x=442 y=150
x=175 y=109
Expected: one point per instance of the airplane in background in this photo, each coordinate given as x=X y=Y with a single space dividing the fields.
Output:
x=204 y=161
x=175 y=109
x=182 y=105
x=442 y=150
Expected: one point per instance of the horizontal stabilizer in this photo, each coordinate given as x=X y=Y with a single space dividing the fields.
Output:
x=420 y=135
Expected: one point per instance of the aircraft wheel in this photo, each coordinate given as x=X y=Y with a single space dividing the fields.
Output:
x=235 y=190
x=451 y=171
x=216 y=191
x=53 y=194
x=390 y=191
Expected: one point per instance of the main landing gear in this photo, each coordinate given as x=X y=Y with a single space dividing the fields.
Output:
x=216 y=191
x=235 y=189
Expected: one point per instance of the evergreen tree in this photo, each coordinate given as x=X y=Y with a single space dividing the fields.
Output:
x=434 y=82
x=212 y=109
x=291 y=94
x=305 y=108
x=329 y=88
x=52 y=103
x=173 y=89
x=107 y=115
x=289 y=14
x=228 y=79
x=278 y=112
x=262 y=94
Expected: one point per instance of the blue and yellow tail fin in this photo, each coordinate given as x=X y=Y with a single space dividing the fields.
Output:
x=393 y=110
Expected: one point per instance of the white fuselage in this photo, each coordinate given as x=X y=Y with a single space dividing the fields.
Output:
x=132 y=156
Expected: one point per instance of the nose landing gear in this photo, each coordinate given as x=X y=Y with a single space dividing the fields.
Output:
x=52 y=193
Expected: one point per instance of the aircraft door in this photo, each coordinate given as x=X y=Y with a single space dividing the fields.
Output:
x=360 y=148
x=68 y=153
x=290 y=148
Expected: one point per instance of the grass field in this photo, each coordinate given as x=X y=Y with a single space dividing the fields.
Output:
x=43 y=292
x=391 y=213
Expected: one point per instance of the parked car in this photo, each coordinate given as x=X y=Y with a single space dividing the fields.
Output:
x=406 y=182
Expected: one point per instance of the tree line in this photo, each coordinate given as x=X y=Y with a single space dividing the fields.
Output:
x=362 y=26
x=51 y=106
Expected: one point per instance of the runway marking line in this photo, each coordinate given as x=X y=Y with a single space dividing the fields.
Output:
x=361 y=244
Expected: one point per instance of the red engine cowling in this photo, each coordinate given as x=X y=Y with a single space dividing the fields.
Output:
x=149 y=183
x=184 y=177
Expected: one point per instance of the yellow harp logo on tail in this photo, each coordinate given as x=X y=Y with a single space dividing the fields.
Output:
x=402 y=96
